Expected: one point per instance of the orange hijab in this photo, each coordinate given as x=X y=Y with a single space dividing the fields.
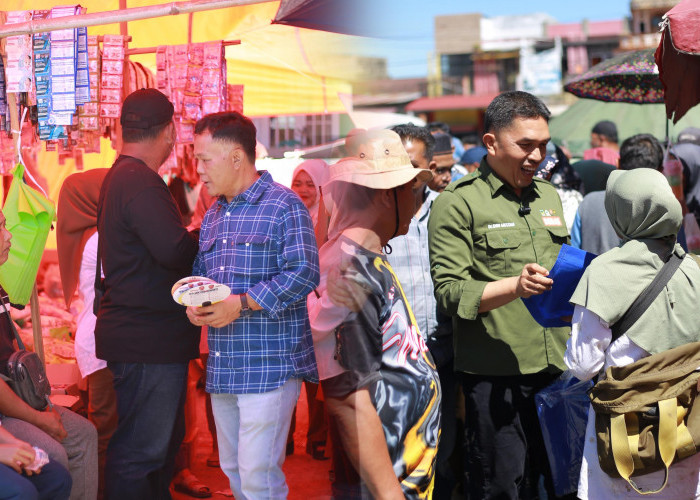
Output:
x=77 y=221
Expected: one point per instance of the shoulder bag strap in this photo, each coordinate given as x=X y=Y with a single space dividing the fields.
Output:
x=3 y=295
x=645 y=299
x=98 y=268
x=99 y=285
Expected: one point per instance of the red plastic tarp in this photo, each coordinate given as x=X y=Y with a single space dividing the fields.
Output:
x=678 y=58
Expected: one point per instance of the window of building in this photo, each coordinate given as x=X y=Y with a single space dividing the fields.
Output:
x=300 y=131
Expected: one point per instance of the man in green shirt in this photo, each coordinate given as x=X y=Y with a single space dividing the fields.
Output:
x=493 y=236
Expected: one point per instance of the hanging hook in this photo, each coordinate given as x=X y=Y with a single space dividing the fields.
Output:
x=19 y=153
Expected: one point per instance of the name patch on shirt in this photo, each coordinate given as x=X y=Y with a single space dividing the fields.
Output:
x=551 y=221
x=502 y=224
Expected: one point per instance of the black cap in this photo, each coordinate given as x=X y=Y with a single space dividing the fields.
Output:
x=146 y=108
x=443 y=144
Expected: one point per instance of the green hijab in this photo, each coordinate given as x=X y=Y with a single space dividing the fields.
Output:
x=647 y=217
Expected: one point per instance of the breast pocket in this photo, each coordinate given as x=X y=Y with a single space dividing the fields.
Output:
x=500 y=248
x=253 y=255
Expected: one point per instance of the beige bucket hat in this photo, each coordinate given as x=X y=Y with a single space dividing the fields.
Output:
x=381 y=162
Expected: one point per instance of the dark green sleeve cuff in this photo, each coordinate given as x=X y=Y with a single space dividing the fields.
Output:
x=470 y=300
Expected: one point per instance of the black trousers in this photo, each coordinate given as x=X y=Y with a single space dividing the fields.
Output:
x=505 y=454
x=445 y=479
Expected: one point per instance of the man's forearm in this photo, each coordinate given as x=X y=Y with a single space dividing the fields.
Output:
x=365 y=444
x=533 y=280
x=498 y=293
x=11 y=405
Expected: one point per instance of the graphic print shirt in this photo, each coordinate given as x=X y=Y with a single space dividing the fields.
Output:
x=382 y=350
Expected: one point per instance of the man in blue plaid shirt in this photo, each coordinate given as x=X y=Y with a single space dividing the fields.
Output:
x=258 y=239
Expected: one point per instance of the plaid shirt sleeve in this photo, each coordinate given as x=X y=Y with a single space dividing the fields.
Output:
x=298 y=262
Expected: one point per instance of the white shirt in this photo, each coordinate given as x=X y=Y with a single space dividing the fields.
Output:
x=410 y=260
x=85 y=335
x=586 y=354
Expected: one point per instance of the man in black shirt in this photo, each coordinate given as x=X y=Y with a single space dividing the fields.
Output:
x=141 y=332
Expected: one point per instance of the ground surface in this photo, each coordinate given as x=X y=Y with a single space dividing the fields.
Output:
x=307 y=478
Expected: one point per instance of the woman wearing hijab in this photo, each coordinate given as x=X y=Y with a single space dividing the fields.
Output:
x=647 y=217
x=306 y=182
x=76 y=241
x=308 y=177
x=557 y=170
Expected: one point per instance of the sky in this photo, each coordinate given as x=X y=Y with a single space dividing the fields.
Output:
x=407 y=25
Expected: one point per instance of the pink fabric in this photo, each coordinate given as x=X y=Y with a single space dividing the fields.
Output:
x=606 y=155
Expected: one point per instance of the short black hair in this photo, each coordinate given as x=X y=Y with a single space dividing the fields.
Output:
x=439 y=127
x=143 y=134
x=508 y=106
x=641 y=151
x=416 y=133
x=607 y=129
x=230 y=126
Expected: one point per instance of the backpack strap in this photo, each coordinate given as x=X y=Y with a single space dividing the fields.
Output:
x=622 y=449
x=645 y=299
x=98 y=279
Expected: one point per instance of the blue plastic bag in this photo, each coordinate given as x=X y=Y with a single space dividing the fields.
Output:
x=549 y=307
x=562 y=408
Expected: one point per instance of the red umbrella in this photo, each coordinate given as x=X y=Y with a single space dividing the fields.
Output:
x=678 y=58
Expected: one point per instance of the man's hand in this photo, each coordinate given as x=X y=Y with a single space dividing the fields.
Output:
x=533 y=280
x=17 y=455
x=49 y=421
x=216 y=315
x=345 y=292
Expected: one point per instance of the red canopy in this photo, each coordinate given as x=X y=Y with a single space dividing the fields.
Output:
x=678 y=58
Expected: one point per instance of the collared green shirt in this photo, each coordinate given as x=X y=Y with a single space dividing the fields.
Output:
x=477 y=235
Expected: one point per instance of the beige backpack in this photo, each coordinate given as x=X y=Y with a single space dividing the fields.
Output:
x=645 y=413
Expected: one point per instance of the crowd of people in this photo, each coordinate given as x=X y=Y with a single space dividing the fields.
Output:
x=390 y=283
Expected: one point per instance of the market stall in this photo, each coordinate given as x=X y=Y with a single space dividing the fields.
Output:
x=72 y=67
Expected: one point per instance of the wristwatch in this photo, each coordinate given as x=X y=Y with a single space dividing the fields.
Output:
x=246 y=311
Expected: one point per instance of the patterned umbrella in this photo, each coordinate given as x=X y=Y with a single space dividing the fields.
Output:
x=629 y=77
